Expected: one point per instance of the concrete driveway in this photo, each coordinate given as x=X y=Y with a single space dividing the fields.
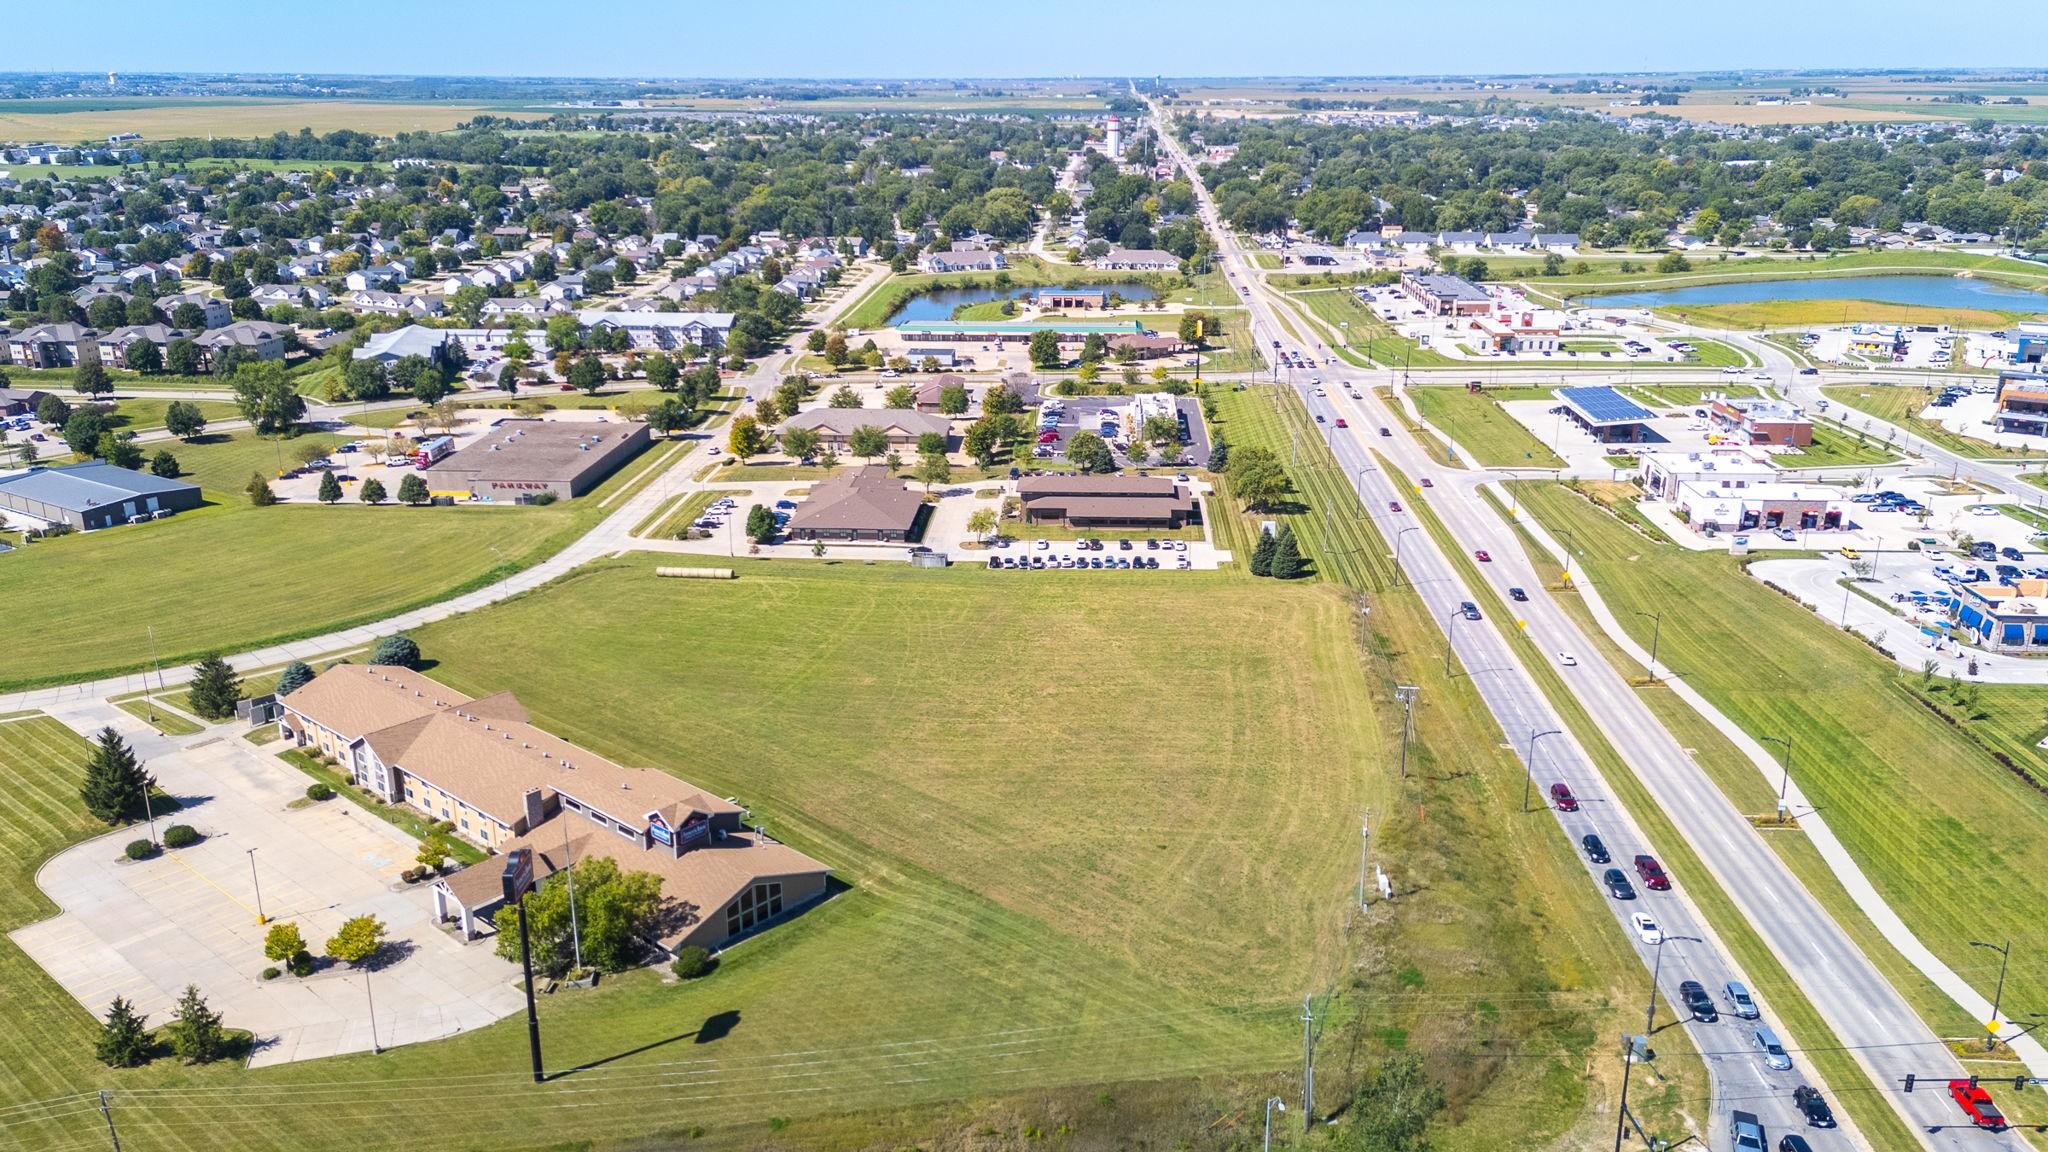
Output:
x=146 y=930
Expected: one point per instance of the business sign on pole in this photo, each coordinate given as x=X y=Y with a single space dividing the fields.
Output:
x=518 y=875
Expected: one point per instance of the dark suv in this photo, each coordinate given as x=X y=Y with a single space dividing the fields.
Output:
x=1810 y=1105
x=1694 y=996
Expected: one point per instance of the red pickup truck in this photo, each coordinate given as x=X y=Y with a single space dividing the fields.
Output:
x=1976 y=1104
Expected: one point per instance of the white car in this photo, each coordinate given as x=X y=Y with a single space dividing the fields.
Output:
x=1044 y=545
x=1731 y=371
x=1567 y=659
x=1762 y=377
x=1646 y=928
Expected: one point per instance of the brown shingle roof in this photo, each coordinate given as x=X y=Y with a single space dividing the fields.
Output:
x=865 y=498
x=357 y=699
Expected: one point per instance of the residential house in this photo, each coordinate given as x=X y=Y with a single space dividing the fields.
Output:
x=973 y=261
x=664 y=330
x=261 y=337
x=900 y=427
x=53 y=346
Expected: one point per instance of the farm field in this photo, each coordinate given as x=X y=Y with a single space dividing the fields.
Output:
x=162 y=118
x=298 y=570
x=1899 y=785
x=1901 y=405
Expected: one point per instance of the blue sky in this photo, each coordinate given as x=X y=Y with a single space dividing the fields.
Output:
x=954 y=38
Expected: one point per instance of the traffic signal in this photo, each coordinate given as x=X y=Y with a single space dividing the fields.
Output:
x=1909 y=1082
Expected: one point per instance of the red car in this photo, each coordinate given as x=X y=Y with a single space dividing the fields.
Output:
x=1393 y=505
x=1048 y=437
x=1976 y=1104
x=1341 y=423
x=1561 y=795
x=1426 y=484
x=1482 y=556
x=1653 y=874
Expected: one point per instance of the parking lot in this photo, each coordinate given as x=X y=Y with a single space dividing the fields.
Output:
x=1126 y=553
x=1060 y=418
x=1929 y=347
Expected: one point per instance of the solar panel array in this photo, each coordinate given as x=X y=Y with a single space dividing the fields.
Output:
x=1605 y=406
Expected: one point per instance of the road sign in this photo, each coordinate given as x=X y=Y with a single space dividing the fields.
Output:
x=518 y=875
x=1992 y=1026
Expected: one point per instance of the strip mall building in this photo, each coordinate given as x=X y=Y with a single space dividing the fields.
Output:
x=480 y=765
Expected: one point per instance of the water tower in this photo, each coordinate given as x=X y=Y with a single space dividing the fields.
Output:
x=1115 y=144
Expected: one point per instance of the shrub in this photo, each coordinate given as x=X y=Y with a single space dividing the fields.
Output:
x=319 y=791
x=545 y=498
x=140 y=849
x=271 y=973
x=301 y=964
x=180 y=836
x=692 y=962
x=398 y=650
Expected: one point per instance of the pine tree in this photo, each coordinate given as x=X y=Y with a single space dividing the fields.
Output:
x=1219 y=455
x=373 y=491
x=296 y=675
x=412 y=489
x=215 y=688
x=115 y=783
x=259 y=491
x=1286 y=556
x=124 y=1039
x=330 y=488
x=196 y=1034
x=1262 y=555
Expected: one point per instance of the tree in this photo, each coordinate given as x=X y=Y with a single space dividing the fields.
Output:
x=143 y=356
x=1219 y=454
x=668 y=414
x=115 y=784
x=801 y=443
x=181 y=357
x=91 y=380
x=844 y=397
x=119 y=450
x=83 y=431
x=747 y=437
x=1045 y=349
x=283 y=942
x=867 y=442
x=982 y=522
x=52 y=409
x=215 y=688
x=760 y=525
x=611 y=908
x=182 y=419
x=1286 y=555
x=195 y=1031
x=366 y=380
x=1256 y=476
x=1553 y=264
x=1262 y=554
x=980 y=441
x=815 y=342
x=1395 y=1107
x=953 y=399
x=835 y=350
x=662 y=373
x=259 y=491
x=508 y=375
x=433 y=851
x=934 y=468
x=267 y=398
x=296 y=675
x=587 y=374
x=330 y=488
x=188 y=317
x=372 y=491
x=1162 y=430
x=1001 y=400
x=398 y=651
x=1090 y=453
x=164 y=464
x=1674 y=262
x=124 y=1039
x=767 y=411
x=412 y=489
x=900 y=397
x=358 y=939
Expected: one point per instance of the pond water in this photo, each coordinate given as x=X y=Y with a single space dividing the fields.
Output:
x=1931 y=291
x=939 y=304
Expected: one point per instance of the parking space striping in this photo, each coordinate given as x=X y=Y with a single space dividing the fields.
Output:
x=210 y=882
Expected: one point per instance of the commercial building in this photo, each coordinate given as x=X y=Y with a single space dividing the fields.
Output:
x=1725 y=469
x=522 y=458
x=504 y=784
x=1525 y=336
x=20 y=401
x=865 y=505
x=2004 y=617
x=1607 y=415
x=1137 y=260
x=1447 y=295
x=1761 y=420
x=1106 y=501
x=977 y=260
x=900 y=426
x=1762 y=506
x=94 y=494
x=2023 y=402
x=1076 y=299
x=1879 y=340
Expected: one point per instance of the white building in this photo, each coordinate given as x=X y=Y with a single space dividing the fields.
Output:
x=1722 y=469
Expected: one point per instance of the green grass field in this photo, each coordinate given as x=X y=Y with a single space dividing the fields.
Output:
x=146 y=413
x=1904 y=789
x=1360 y=336
x=669 y=521
x=1477 y=422
x=881 y=300
x=1834 y=447
x=1902 y=405
x=296 y=569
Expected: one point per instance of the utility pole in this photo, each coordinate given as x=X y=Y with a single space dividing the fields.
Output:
x=108 y=1112
x=1656 y=630
x=1364 y=849
x=1406 y=694
x=1308 y=1063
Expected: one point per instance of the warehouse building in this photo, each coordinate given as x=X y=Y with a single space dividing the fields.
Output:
x=522 y=458
x=94 y=494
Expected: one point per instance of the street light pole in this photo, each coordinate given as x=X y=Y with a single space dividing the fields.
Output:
x=1991 y=1026
x=1785 y=776
x=1272 y=1102
x=1450 y=633
x=1400 y=576
x=1406 y=694
x=1656 y=631
x=1529 y=762
x=260 y=917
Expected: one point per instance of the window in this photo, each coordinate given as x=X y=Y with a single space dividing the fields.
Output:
x=756 y=905
x=629 y=833
x=408 y=792
x=465 y=823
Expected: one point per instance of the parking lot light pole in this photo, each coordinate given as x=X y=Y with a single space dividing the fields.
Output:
x=2004 y=954
x=260 y=917
x=1656 y=631
x=1529 y=762
x=1785 y=775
